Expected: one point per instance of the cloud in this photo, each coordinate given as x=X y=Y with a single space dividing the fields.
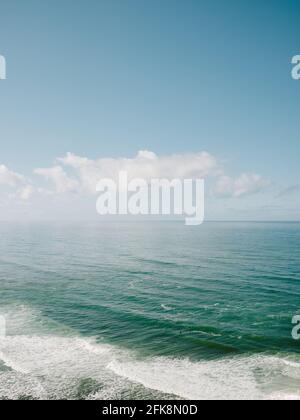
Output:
x=145 y=164
x=26 y=192
x=245 y=184
x=10 y=178
x=63 y=183
x=293 y=189
x=86 y=173
x=80 y=175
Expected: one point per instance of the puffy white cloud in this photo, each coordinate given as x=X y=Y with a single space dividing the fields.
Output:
x=10 y=178
x=77 y=174
x=14 y=185
x=148 y=165
x=26 y=192
x=62 y=182
x=145 y=164
x=246 y=184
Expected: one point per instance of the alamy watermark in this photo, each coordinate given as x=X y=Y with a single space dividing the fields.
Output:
x=155 y=197
x=2 y=67
x=296 y=68
x=296 y=329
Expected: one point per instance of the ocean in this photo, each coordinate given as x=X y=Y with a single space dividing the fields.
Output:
x=149 y=310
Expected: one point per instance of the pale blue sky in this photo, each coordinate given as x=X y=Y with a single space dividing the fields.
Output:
x=110 y=77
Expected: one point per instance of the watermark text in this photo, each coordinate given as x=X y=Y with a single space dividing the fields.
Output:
x=296 y=68
x=296 y=329
x=2 y=67
x=152 y=197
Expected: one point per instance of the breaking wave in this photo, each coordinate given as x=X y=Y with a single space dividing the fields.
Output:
x=40 y=359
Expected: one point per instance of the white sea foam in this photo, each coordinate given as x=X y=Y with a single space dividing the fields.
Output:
x=55 y=365
x=256 y=377
x=207 y=380
x=58 y=364
x=167 y=308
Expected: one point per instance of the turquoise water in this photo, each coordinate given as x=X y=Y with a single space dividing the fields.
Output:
x=149 y=310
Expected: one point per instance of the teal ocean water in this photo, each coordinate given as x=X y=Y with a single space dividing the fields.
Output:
x=149 y=310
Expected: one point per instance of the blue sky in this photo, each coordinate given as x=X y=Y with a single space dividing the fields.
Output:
x=109 y=78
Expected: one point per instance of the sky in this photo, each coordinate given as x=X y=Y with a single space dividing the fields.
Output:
x=173 y=85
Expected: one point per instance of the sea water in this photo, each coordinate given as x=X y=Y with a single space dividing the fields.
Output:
x=144 y=310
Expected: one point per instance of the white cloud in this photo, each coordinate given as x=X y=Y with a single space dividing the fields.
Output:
x=14 y=185
x=60 y=179
x=26 y=192
x=77 y=174
x=246 y=184
x=144 y=165
x=147 y=165
x=10 y=178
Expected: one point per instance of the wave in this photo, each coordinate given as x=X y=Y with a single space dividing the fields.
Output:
x=243 y=378
x=47 y=361
x=166 y=307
